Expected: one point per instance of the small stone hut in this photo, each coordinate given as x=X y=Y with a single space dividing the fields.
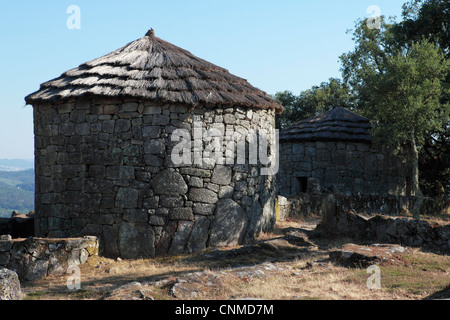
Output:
x=104 y=149
x=336 y=149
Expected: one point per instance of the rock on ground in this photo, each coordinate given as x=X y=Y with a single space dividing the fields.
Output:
x=9 y=285
x=192 y=285
x=358 y=256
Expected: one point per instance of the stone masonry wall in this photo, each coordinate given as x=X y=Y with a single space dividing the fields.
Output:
x=34 y=258
x=305 y=205
x=337 y=220
x=348 y=168
x=103 y=168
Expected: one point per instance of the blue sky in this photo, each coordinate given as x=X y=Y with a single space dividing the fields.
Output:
x=275 y=45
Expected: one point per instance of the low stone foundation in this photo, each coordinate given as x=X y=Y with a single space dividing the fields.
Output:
x=306 y=204
x=34 y=258
x=300 y=206
x=336 y=220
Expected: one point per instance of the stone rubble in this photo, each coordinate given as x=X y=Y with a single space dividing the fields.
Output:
x=336 y=220
x=34 y=258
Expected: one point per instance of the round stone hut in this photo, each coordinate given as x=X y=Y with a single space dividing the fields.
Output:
x=336 y=149
x=123 y=151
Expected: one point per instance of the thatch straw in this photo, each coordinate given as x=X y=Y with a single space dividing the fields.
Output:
x=338 y=124
x=154 y=70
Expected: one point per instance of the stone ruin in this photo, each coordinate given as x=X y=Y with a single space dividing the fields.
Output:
x=34 y=258
x=105 y=135
x=337 y=220
x=372 y=218
x=26 y=257
x=331 y=156
x=336 y=149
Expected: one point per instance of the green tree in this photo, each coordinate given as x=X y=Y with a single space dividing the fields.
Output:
x=312 y=102
x=398 y=87
x=430 y=19
x=373 y=49
x=405 y=100
x=425 y=19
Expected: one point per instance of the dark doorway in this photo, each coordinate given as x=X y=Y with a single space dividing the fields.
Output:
x=303 y=183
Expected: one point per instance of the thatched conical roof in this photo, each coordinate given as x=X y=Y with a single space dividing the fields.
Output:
x=154 y=70
x=338 y=124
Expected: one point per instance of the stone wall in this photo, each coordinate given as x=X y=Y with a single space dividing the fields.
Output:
x=104 y=168
x=338 y=221
x=34 y=258
x=305 y=205
x=348 y=168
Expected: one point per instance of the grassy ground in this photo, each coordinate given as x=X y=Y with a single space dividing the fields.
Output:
x=303 y=272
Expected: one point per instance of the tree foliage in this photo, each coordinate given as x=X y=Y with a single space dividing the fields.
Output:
x=404 y=99
x=400 y=85
x=312 y=102
x=431 y=20
x=425 y=19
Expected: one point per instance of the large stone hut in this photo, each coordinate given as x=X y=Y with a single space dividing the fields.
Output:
x=104 y=142
x=336 y=149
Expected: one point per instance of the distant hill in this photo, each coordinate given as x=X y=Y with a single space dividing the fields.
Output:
x=16 y=164
x=16 y=191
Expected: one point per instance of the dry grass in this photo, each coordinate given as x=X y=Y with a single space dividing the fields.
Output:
x=99 y=275
x=303 y=274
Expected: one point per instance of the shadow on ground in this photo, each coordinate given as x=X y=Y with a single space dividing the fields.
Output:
x=443 y=294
